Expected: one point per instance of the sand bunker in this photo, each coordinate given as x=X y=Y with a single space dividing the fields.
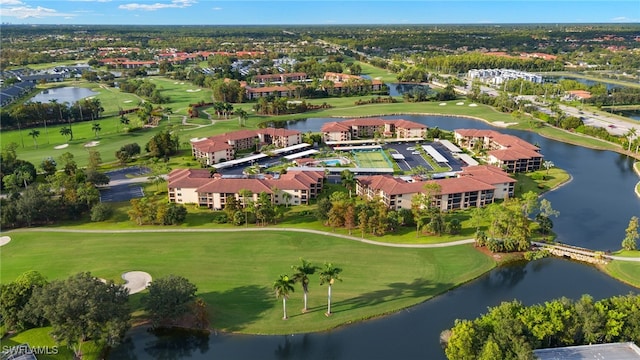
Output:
x=61 y=146
x=443 y=104
x=473 y=105
x=128 y=101
x=4 y=240
x=92 y=144
x=503 y=124
x=176 y=83
x=181 y=83
x=460 y=103
x=136 y=281
x=193 y=90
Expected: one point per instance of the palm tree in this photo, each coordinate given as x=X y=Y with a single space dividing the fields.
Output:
x=96 y=129
x=283 y=287
x=245 y=193
x=301 y=275
x=242 y=116
x=65 y=131
x=630 y=135
x=329 y=275
x=34 y=134
x=547 y=164
x=348 y=180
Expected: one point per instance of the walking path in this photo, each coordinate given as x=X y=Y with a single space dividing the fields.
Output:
x=326 y=233
x=311 y=231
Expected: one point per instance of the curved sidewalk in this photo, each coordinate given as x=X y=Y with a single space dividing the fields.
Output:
x=326 y=233
x=319 y=232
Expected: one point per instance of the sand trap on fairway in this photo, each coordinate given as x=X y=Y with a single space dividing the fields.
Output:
x=136 y=281
x=460 y=103
x=193 y=90
x=176 y=83
x=127 y=101
x=61 y=146
x=443 y=104
x=181 y=83
x=4 y=240
x=92 y=144
x=473 y=105
x=503 y=124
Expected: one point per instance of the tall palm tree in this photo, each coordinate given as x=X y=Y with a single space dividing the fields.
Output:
x=96 y=128
x=242 y=116
x=245 y=193
x=34 y=134
x=348 y=180
x=65 y=131
x=283 y=287
x=630 y=135
x=301 y=275
x=548 y=164
x=329 y=274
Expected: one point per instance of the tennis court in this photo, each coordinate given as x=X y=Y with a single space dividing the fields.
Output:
x=371 y=159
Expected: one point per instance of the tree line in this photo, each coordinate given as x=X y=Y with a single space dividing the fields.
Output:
x=65 y=194
x=512 y=330
x=84 y=308
x=32 y=114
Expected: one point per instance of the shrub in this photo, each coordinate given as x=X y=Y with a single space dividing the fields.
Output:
x=101 y=212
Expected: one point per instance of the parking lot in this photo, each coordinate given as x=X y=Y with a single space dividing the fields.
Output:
x=413 y=159
x=123 y=184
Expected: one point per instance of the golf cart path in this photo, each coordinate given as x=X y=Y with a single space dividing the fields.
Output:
x=325 y=233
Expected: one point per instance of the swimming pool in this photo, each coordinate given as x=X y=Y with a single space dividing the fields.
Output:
x=332 y=162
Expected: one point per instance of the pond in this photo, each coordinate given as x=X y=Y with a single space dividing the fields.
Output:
x=595 y=208
x=63 y=95
x=410 y=334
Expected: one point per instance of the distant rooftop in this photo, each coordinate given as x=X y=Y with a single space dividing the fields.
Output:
x=617 y=351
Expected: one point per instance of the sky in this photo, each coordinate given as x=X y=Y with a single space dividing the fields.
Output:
x=316 y=12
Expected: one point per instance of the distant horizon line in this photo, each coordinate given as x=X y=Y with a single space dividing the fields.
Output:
x=338 y=24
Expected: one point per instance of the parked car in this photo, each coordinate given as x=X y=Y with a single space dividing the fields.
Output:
x=411 y=148
x=416 y=153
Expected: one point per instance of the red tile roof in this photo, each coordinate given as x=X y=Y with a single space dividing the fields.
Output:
x=487 y=173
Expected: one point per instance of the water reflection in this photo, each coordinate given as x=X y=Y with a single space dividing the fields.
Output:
x=63 y=95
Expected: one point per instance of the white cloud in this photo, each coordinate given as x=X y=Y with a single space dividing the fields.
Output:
x=152 y=7
x=623 y=19
x=22 y=11
x=10 y=2
x=216 y=9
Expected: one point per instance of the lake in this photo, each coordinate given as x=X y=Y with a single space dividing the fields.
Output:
x=63 y=95
x=595 y=208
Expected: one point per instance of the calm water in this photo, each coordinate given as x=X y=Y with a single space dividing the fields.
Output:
x=595 y=209
x=62 y=95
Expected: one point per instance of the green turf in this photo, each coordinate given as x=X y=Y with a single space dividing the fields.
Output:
x=48 y=349
x=234 y=271
x=370 y=159
x=625 y=271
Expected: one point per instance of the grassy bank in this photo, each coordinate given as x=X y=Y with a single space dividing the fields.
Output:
x=234 y=272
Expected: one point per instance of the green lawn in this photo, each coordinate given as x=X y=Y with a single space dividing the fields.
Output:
x=625 y=271
x=544 y=180
x=234 y=271
x=49 y=350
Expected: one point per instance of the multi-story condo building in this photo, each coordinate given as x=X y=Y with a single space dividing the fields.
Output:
x=368 y=127
x=223 y=147
x=475 y=186
x=199 y=186
x=505 y=151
